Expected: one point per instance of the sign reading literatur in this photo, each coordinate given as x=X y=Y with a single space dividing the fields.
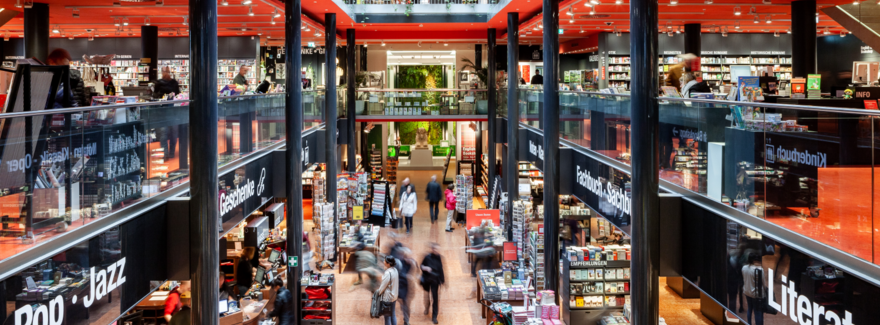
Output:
x=245 y=189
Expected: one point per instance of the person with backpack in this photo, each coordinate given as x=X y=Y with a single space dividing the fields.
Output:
x=753 y=289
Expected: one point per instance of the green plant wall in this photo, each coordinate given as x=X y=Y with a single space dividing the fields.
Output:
x=408 y=131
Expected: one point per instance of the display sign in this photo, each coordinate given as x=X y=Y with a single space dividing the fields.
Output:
x=476 y=217
x=867 y=50
x=604 y=189
x=509 y=253
x=245 y=189
x=438 y=151
x=814 y=83
x=871 y=104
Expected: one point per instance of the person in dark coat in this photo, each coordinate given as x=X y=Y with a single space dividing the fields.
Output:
x=404 y=266
x=435 y=194
x=244 y=272
x=538 y=79
x=62 y=57
x=432 y=279
x=283 y=304
x=166 y=85
x=226 y=292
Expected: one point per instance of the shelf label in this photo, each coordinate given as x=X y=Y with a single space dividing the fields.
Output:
x=181 y=56
x=671 y=52
x=713 y=52
x=589 y=263
x=123 y=56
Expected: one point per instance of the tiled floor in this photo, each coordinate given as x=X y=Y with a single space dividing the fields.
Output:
x=458 y=304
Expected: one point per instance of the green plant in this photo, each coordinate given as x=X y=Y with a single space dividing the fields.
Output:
x=481 y=73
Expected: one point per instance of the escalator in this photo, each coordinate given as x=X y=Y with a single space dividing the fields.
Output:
x=863 y=20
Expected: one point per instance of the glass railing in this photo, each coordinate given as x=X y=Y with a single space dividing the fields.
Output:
x=422 y=102
x=64 y=168
x=808 y=169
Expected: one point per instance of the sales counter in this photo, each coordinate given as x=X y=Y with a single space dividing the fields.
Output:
x=154 y=305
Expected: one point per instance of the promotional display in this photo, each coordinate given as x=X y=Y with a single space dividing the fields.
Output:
x=245 y=189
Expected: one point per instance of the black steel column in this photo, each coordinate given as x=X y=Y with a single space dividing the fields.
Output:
x=551 y=144
x=36 y=32
x=478 y=56
x=331 y=144
x=204 y=216
x=692 y=39
x=803 y=38
x=150 y=49
x=645 y=169
x=351 y=96
x=293 y=120
x=493 y=100
x=510 y=173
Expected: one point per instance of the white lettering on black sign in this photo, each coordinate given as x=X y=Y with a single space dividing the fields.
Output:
x=538 y=151
x=15 y=57
x=123 y=56
x=240 y=193
x=799 y=308
x=101 y=283
x=589 y=263
x=181 y=56
x=864 y=49
x=696 y=135
x=773 y=154
x=610 y=194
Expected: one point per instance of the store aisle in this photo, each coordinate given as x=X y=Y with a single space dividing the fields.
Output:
x=677 y=310
x=457 y=299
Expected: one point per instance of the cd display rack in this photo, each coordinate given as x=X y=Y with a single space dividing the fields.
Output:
x=464 y=193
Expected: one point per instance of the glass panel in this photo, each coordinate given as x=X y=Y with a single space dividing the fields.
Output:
x=422 y=102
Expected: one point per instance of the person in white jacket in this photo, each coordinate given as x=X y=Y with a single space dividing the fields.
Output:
x=408 y=206
x=389 y=288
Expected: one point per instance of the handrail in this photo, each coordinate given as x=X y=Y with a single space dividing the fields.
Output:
x=87 y=109
x=774 y=105
x=419 y=90
x=827 y=109
x=253 y=95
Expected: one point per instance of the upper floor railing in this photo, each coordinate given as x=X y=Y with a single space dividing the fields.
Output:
x=61 y=169
x=422 y=102
x=806 y=168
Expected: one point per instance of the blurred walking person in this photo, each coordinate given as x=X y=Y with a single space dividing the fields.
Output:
x=405 y=264
x=432 y=279
x=753 y=288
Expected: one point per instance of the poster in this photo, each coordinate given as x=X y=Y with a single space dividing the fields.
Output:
x=526 y=73
x=814 y=85
x=357 y=212
x=509 y=251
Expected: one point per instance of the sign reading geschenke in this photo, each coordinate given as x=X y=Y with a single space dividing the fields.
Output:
x=246 y=188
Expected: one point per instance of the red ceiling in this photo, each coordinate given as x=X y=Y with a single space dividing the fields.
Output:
x=235 y=17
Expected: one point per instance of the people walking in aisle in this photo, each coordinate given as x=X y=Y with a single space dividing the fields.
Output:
x=283 y=304
x=480 y=249
x=435 y=194
x=432 y=279
x=408 y=206
x=450 y=206
x=390 y=287
x=184 y=316
x=753 y=288
x=404 y=265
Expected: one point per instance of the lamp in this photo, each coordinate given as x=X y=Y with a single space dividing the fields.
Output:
x=125 y=21
x=147 y=21
x=55 y=29
x=768 y=19
x=736 y=11
x=75 y=13
x=276 y=14
x=250 y=10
